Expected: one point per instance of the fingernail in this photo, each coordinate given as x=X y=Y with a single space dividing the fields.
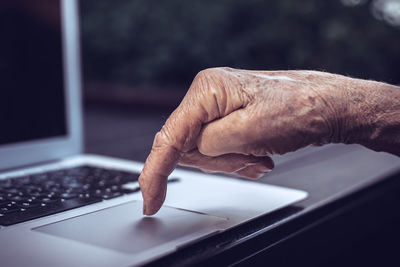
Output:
x=144 y=208
x=165 y=192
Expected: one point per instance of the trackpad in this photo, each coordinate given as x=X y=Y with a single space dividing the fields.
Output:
x=123 y=227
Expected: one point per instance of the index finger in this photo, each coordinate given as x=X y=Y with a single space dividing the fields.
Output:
x=210 y=96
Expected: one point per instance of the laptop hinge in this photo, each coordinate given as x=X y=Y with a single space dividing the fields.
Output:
x=32 y=165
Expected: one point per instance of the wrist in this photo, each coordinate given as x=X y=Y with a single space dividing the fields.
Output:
x=360 y=116
x=340 y=104
x=368 y=114
x=346 y=108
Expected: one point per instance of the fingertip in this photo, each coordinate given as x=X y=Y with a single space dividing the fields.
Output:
x=144 y=210
x=152 y=210
x=151 y=207
x=153 y=196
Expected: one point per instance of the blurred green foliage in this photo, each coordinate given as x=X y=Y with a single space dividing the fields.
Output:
x=138 y=42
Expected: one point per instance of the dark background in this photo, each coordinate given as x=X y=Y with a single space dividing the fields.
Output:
x=147 y=52
x=140 y=56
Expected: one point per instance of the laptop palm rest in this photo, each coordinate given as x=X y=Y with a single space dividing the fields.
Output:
x=123 y=228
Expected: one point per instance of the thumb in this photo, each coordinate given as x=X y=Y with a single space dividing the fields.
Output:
x=234 y=133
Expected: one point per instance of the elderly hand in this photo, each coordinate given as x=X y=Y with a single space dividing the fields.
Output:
x=230 y=121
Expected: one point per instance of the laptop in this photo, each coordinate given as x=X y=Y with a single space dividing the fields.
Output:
x=59 y=207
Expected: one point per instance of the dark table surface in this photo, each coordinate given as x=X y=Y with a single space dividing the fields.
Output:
x=352 y=195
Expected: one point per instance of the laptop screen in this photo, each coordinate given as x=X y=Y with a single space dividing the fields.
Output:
x=32 y=102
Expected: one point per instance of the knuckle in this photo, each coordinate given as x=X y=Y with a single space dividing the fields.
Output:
x=200 y=83
x=207 y=77
x=159 y=139
x=141 y=182
x=208 y=72
x=163 y=138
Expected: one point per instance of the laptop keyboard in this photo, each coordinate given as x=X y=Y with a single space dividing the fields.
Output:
x=28 y=197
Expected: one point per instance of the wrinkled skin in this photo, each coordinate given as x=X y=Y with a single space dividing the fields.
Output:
x=231 y=121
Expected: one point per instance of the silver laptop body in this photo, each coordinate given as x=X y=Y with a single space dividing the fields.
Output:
x=114 y=232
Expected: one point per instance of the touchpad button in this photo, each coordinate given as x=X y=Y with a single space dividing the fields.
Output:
x=123 y=227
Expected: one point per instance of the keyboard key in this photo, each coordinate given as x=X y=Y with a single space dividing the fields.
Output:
x=111 y=195
x=27 y=205
x=49 y=200
x=7 y=210
x=18 y=198
x=68 y=195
